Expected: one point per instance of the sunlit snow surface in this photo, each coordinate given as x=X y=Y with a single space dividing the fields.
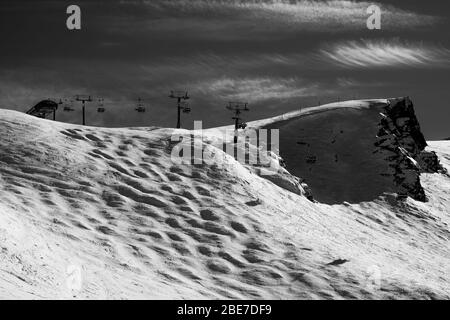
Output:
x=105 y=214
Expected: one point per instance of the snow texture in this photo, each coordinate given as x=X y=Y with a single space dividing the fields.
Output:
x=97 y=213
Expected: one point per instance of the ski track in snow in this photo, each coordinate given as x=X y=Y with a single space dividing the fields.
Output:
x=96 y=213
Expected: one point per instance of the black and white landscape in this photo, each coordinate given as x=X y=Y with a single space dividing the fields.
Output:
x=347 y=198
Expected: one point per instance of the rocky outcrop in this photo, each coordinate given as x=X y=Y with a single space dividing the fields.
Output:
x=401 y=138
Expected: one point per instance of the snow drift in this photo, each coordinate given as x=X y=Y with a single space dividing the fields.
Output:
x=104 y=213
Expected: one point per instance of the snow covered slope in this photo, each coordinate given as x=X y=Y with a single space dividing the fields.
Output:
x=104 y=213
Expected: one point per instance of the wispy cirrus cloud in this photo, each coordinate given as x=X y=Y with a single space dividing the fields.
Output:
x=373 y=54
x=257 y=89
x=334 y=15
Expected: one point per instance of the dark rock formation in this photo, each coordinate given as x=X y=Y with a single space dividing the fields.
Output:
x=407 y=145
x=401 y=138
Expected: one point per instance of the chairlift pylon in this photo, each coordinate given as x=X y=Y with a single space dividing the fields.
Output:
x=237 y=108
x=181 y=97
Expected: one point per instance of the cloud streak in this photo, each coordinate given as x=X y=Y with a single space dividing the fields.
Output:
x=334 y=16
x=378 y=54
x=257 y=89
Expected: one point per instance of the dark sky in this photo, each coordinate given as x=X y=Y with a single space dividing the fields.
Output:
x=277 y=55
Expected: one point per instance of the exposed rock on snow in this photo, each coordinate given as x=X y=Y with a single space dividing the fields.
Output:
x=429 y=162
x=105 y=213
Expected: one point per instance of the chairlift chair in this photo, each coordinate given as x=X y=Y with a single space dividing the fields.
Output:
x=67 y=105
x=100 y=108
x=184 y=106
x=140 y=106
x=242 y=125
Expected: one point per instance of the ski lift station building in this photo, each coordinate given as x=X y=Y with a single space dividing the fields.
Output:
x=43 y=109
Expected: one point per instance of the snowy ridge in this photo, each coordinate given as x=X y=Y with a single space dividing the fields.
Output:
x=111 y=205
